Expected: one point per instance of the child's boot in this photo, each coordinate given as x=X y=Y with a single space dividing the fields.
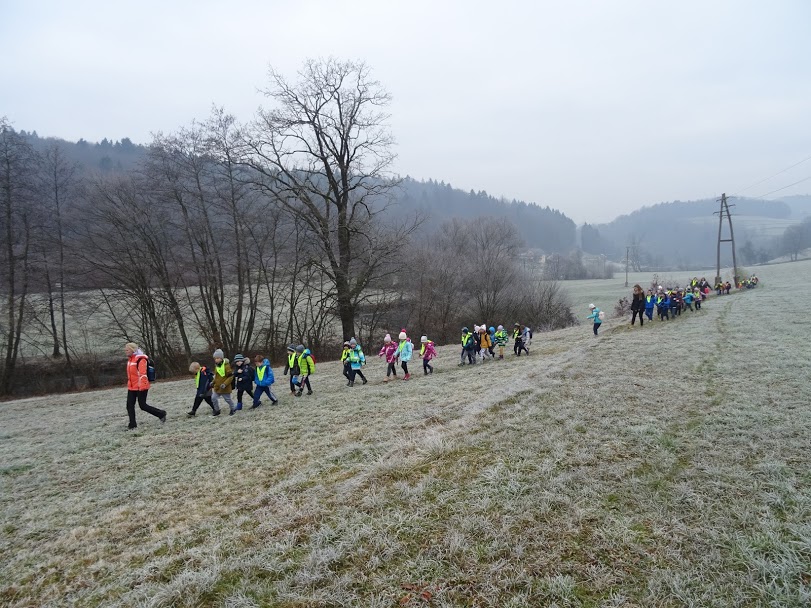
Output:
x=239 y=406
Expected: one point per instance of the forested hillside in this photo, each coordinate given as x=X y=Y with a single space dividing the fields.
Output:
x=540 y=227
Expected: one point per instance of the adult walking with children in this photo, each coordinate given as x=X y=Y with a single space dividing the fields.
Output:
x=638 y=305
x=138 y=385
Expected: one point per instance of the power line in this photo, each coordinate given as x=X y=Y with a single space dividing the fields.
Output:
x=772 y=176
x=805 y=179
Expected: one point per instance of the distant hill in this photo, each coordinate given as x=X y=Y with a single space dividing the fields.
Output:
x=683 y=233
x=540 y=227
x=800 y=205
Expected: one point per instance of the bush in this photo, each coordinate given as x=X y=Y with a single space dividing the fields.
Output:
x=622 y=308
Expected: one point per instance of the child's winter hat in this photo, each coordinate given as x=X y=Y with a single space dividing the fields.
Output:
x=346 y=343
x=353 y=342
x=300 y=348
x=238 y=357
x=592 y=306
x=218 y=354
x=387 y=338
x=424 y=339
x=465 y=330
x=402 y=336
x=291 y=348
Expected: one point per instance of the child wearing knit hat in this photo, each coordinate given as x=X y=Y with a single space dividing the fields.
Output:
x=389 y=351
x=223 y=382
x=427 y=352
x=404 y=351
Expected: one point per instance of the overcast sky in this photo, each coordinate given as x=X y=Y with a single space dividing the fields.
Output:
x=592 y=107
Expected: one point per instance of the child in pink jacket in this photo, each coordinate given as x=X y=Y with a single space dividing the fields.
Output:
x=427 y=352
x=389 y=351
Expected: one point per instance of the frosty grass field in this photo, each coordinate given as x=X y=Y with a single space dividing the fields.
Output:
x=664 y=466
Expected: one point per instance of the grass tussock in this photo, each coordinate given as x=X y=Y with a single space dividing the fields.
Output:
x=664 y=466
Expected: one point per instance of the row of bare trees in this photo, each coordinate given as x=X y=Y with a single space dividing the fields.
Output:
x=241 y=236
x=244 y=237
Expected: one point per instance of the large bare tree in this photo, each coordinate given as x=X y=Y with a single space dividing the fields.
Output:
x=324 y=152
x=19 y=165
x=60 y=182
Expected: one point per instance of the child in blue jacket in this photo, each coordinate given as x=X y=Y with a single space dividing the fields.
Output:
x=595 y=315
x=663 y=306
x=650 y=302
x=263 y=375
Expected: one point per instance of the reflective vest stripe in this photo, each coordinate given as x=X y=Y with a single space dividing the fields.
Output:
x=260 y=373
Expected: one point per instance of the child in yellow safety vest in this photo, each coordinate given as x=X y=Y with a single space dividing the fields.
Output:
x=202 y=382
x=223 y=382
x=501 y=339
x=291 y=367
x=263 y=375
x=306 y=366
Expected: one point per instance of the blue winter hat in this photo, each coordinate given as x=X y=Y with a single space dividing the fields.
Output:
x=492 y=329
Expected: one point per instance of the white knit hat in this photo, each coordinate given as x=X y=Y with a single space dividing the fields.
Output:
x=592 y=306
x=387 y=338
x=403 y=336
x=424 y=339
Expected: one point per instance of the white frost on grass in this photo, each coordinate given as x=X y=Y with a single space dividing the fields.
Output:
x=667 y=465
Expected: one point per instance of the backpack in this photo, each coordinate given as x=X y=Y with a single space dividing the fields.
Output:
x=601 y=316
x=150 y=369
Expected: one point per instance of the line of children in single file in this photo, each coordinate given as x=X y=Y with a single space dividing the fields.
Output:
x=218 y=382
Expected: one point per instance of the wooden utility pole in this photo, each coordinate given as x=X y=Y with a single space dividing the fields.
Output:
x=724 y=213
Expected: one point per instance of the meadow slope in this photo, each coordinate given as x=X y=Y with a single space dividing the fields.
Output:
x=662 y=466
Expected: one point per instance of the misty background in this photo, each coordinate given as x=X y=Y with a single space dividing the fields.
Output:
x=593 y=108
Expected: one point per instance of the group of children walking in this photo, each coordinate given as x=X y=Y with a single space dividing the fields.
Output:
x=402 y=351
x=670 y=303
x=220 y=380
x=480 y=344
